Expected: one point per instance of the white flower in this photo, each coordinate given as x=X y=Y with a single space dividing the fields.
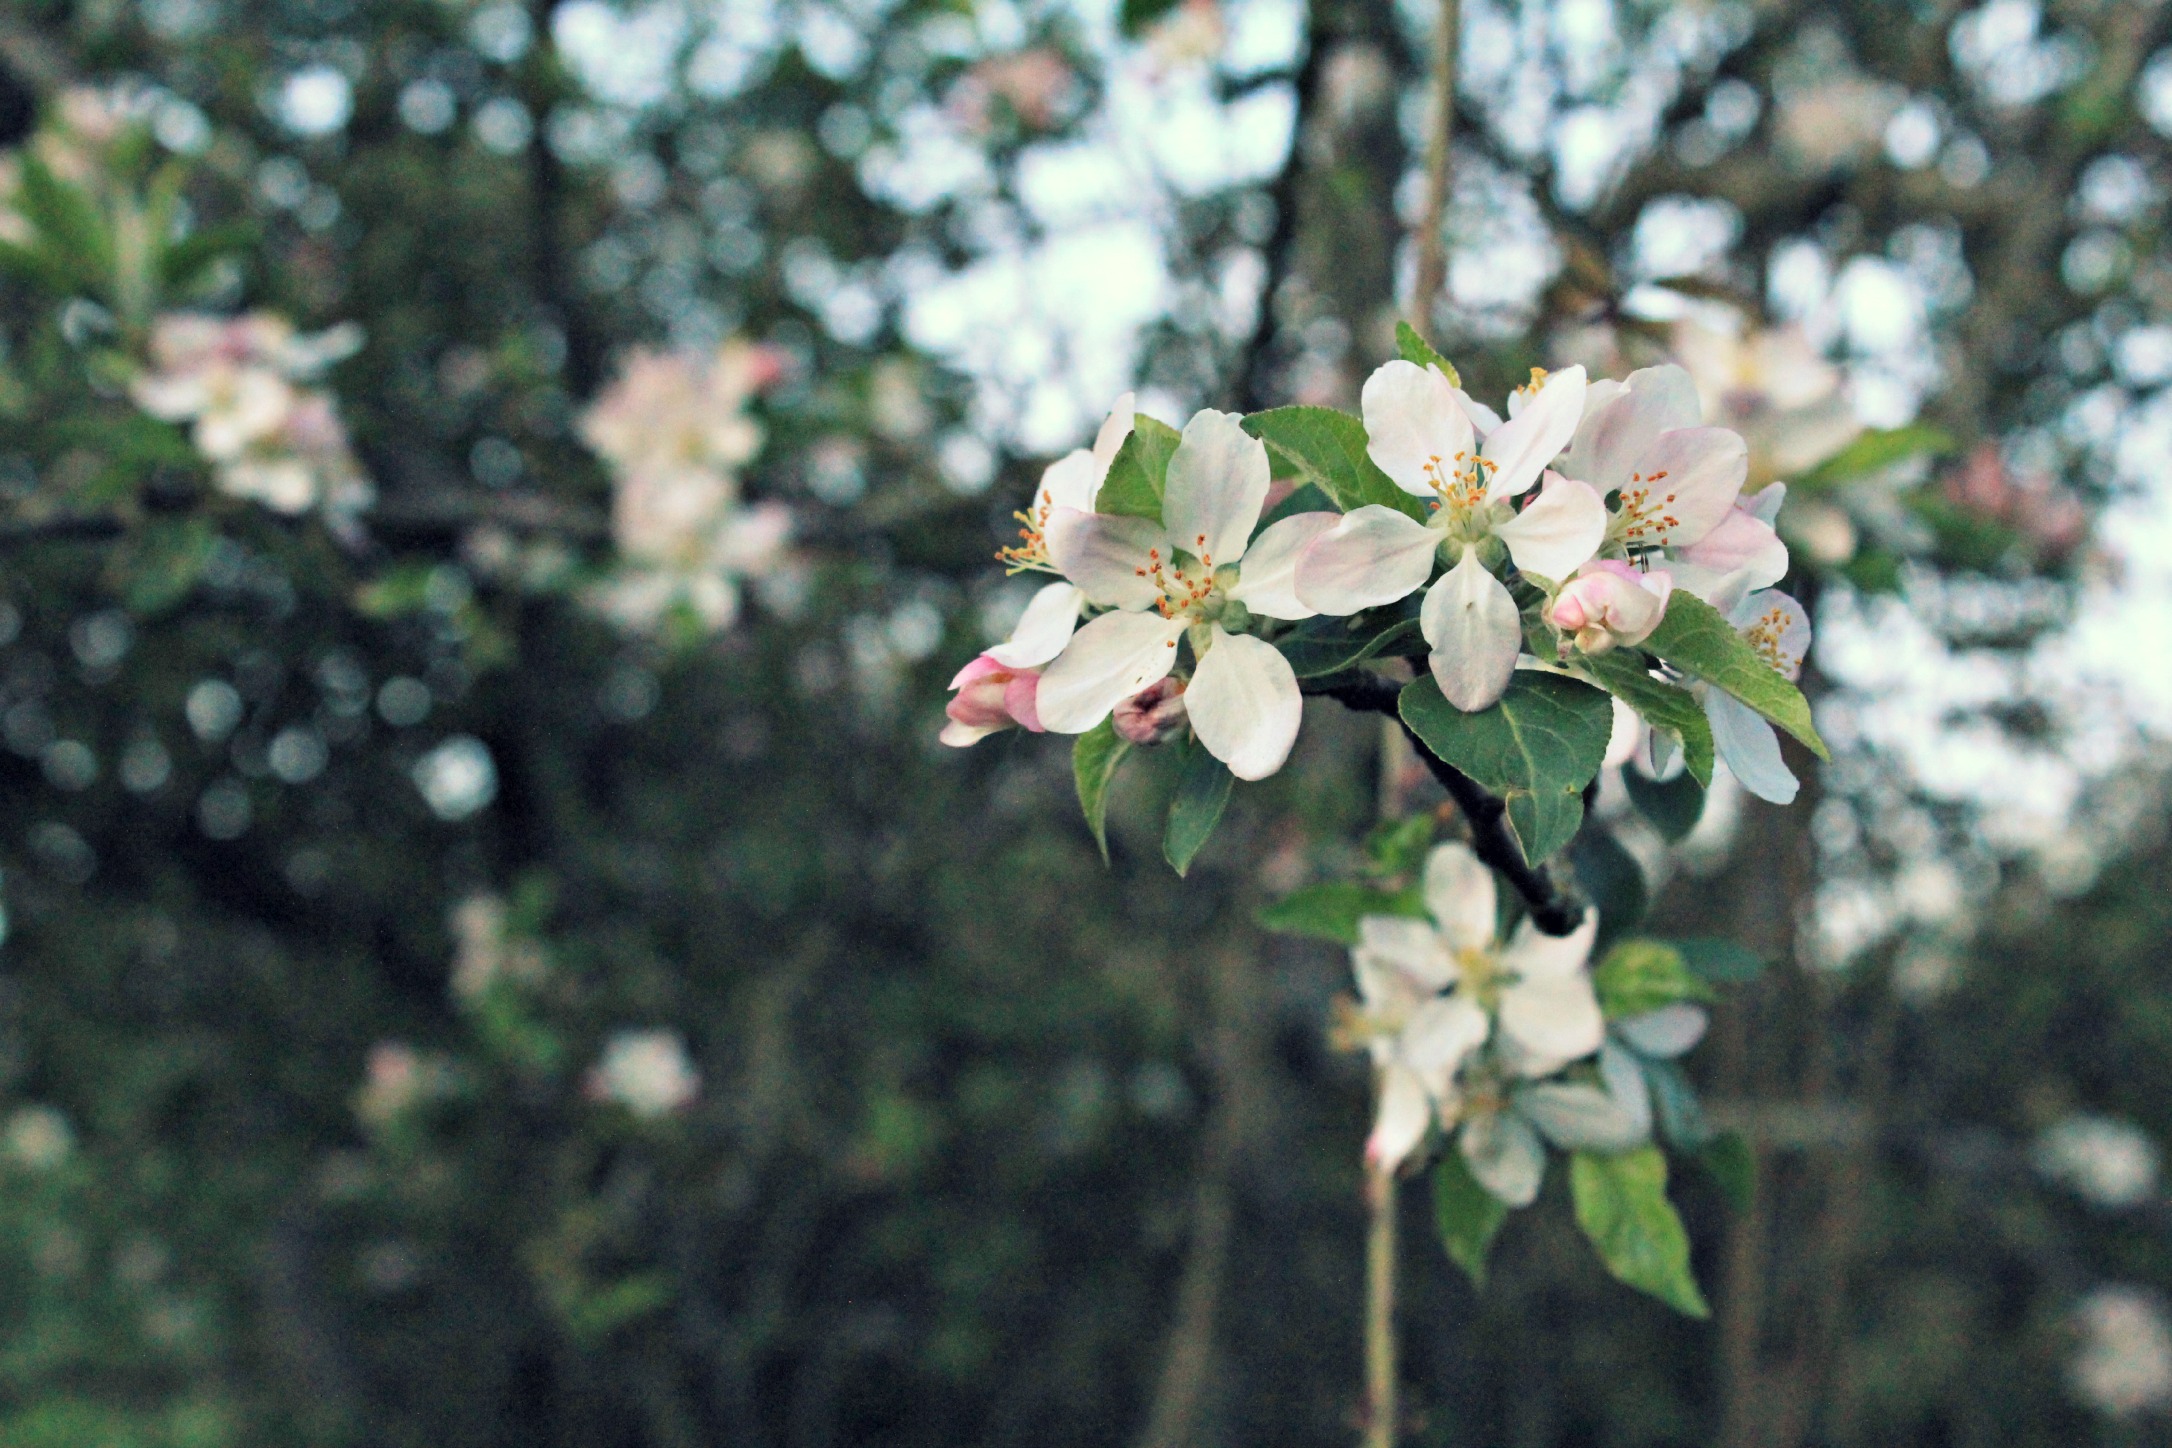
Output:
x=1642 y=441
x=1534 y=987
x=647 y=1072
x=2124 y=1366
x=1772 y=386
x=1197 y=573
x=2110 y=1162
x=1423 y=432
x=1777 y=627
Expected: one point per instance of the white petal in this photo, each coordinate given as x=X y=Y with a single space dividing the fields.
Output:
x=1621 y=426
x=1505 y=1155
x=1554 y=1020
x=1268 y=583
x=1694 y=475
x=1666 y=1032
x=1104 y=554
x=1475 y=630
x=1405 y=1112
x=1114 y=429
x=1621 y=745
x=1244 y=704
x=1483 y=418
x=1372 y=556
x=1071 y=481
x=1106 y=662
x=1521 y=448
x=1440 y=1035
x=1042 y=630
x=1623 y=1075
x=1765 y=504
x=1459 y=891
x=1218 y=481
x=1782 y=624
x=1559 y=532
x=1415 y=429
x=1577 y=1117
x=1398 y=958
x=1535 y=955
x=1741 y=541
x=1749 y=748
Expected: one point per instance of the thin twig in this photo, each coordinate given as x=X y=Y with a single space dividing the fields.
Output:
x=1553 y=909
x=1430 y=225
x=1380 y=1406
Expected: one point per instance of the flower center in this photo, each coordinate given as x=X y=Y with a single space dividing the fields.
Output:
x=1188 y=586
x=1764 y=636
x=1479 y=976
x=1031 y=551
x=1646 y=518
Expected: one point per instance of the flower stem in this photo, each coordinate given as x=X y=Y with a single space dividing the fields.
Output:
x=1380 y=1408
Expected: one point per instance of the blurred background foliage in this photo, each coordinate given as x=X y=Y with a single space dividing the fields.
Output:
x=432 y=1016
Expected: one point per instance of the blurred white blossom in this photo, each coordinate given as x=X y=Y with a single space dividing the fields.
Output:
x=38 y=1137
x=647 y=1072
x=2124 y=1365
x=239 y=383
x=2109 y=1162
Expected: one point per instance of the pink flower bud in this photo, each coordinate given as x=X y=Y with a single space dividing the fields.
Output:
x=991 y=697
x=1153 y=714
x=1609 y=602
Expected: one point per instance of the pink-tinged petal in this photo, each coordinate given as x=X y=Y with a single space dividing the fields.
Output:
x=961 y=736
x=1071 y=481
x=1765 y=504
x=1268 y=584
x=1244 y=704
x=1520 y=448
x=1372 y=556
x=1476 y=632
x=1459 y=893
x=1043 y=629
x=1558 y=532
x=1555 y=1020
x=1749 y=748
x=1107 y=556
x=1622 y=421
x=1218 y=480
x=1152 y=715
x=1114 y=429
x=1535 y=955
x=1416 y=431
x=1740 y=542
x=983 y=666
x=1107 y=661
x=1610 y=603
x=1019 y=699
x=1689 y=481
x=1405 y=1112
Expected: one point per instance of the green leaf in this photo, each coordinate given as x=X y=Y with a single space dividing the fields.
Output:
x=1674 y=806
x=1733 y=1166
x=1305 y=499
x=1877 y=449
x=186 y=262
x=1322 y=646
x=1469 y=1216
x=70 y=229
x=1720 y=961
x=1201 y=793
x=1332 y=909
x=1621 y=1203
x=1697 y=639
x=1135 y=16
x=1642 y=975
x=1138 y=471
x=1327 y=448
x=1414 y=348
x=1610 y=879
x=1626 y=674
x=1536 y=749
x=1094 y=759
x=1399 y=847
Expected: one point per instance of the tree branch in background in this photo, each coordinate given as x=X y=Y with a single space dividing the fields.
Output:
x=1252 y=389
x=1431 y=223
x=1555 y=910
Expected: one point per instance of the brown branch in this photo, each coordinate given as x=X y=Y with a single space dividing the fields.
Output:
x=1430 y=225
x=1553 y=909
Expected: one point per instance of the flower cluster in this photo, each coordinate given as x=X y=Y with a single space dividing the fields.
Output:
x=674 y=431
x=242 y=385
x=1485 y=1038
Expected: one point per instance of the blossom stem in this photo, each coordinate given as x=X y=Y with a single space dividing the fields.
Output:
x=1380 y=1406
x=1554 y=909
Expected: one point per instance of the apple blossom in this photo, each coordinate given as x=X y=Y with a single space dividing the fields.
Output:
x=1772 y=386
x=647 y=1072
x=1778 y=628
x=1424 y=433
x=990 y=696
x=1610 y=602
x=1197 y=574
x=1153 y=715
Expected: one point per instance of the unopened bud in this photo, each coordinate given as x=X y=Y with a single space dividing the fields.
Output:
x=1153 y=714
